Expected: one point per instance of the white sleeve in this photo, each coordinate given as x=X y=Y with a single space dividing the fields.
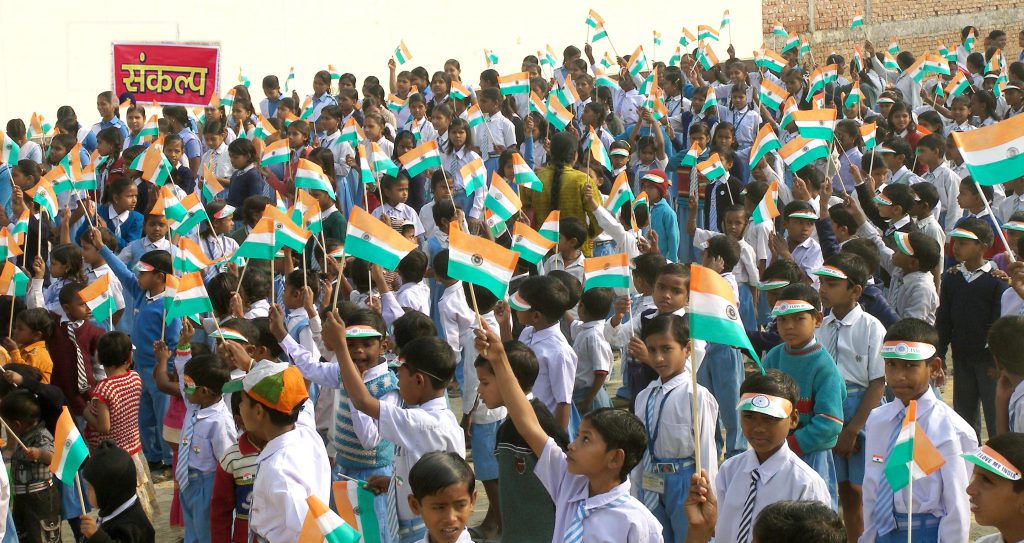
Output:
x=390 y=308
x=551 y=470
x=34 y=298
x=365 y=427
x=323 y=373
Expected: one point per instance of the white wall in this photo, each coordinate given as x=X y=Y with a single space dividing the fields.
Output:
x=57 y=52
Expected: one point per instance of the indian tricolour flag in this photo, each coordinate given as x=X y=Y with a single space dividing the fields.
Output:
x=690 y=160
x=537 y=104
x=802 y=151
x=351 y=133
x=712 y=168
x=260 y=244
x=524 y=175
x=913 y=456
x=190 y=256
x=495 y=224
x=13 y=281
x=767 y=209
x=98 y=297
x=637 y=61
x=772 y=95
x=993 y=153
x=325 y=526
x=765 y=142
x=501 y=199
x=705 y=32
x=594 y=20
x=779 y=30
x=686 y=37
x=168 y=204
x=354 y=504
x=69 y=449
x=889 y=62
x=373 y=241
x=149 y=131
x=867 y=133
x=263 y=128
x=458 y=91
x=598 y=151
x=191 y=297
x=858 y=20
x=381 y=161
x=530 y=245
x=788 y=107
x=517 y=83
x=474 y=117
x=714 y=315
x=557 y=115
x=792 y=42
x=211 y=185
x=620 y=194
x=710 y=100
x=276 y=153
x=9 y=149
x=20 y=229
x=421 y=158
x=86 y=178
x=853 y=99
x=599 y=33
x=195 y=214
x=815 y=123
x=474 y=175
x=309 y=175
x=549 y=228
x=958 y=85
x=610 y=271
x=9 y=245
x=480 y=262
x=307 y=212
x=46 y=197
x=402 y=54
x=602 y=80
x=706 y=56
x=287 y=232
x=816 y=83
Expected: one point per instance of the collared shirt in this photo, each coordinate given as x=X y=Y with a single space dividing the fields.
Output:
x=947 y=183
x=340 y=150
x=134 y=251
x=745 y=270
x=965 y=126
x=193 y=149
x=757 y=236
x=218 y=161
x=416 y=431
x=495 y=130
x=259 y=308
x=400 y=211
x=458 y=323
x=557 y=362
x=971 y=275
x=745 y=124
x=115 y=122
x=422 y=129
x=213 y=429
x=556 y=262
x=116 y=290
x=415 y=296
x=858 y=343
x=940 y=494
x=904 y=176
x=464 y=537
x=910 y=295
x=894 y=226
x=593 y=352
x=1009 y=206
x=671 y=422
x=625 y=239
x=1017 y=407
x=808 y=256
x=619 y=336
x=610 y=520
x=319 y=103
x=118 y=219
x=784 y=477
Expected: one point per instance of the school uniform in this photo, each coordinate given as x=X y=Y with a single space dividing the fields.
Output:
x=245 y=183
x=855 y=343
x=258 y=309
x=215 y=247
x=745 y=123
x=947 y=183
x=662 y=479
x=340 y=150
x=573 y=267
x=31 y=151
x=193 y=148
x=594 y=356
x=415 y=296
x=1009 y=206
x=219 y=161
x=471 y=204
x=131 y=254
x=625 y=240
x=116 y=291
x=495 y=130
x=319 y=103
x=626 y=103
x=781 y=477
x=268 y=107
x=664 y=221
x=1017 y=408
x=720 y=193
x=115 y=122
x=557 y=362
x=843 y=180
x=400 y=211
x=417 y=430
x=464 y=537
x=614 y=516
x=808 y=256
x=941 y=507
x=422 y=130
x=126 y=226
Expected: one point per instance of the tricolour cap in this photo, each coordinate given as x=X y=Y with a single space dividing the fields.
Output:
x=276 y=385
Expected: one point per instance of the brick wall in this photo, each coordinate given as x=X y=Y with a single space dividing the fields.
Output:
x=918 y=26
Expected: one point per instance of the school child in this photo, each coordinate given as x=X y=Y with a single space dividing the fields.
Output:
x=396 y=191
x=940 y=508
x=822 y=390
x=969 y=301
x=983 y=108
x=769 y=472
x=122 y=516
x=247 y=179
x=923 y=211
x=109 y=167
x=931 y=152
x=27 y=344
x=847 y=135
x=146 y=287
x=254 y=294
x=497 y=133
x=568 y=256
x=592 y=350
x=341 y=151
x=405 y=142
x=216 y=157
x=460 y=152
x=744 y=118
x=799 y=246
x=960 y=115
x=898 y=155
x=120 y=215
x=973 y=206
x=893 y=204
x=1003 y=339
x=440 y=118
x=215 y=241
x=272 y=91
x=440 y=191
x=540 y=304
x=663 y=218
x=609 y=445
x=35 y=500
x=853 y=339
x=994 y=490
x=429 y=366
x=96 y=267
x=180 y=174
x=745 y=272
x=154 y=230
x=232 y=486
x=418 y=123
x=910 y=262
x=443 y=493
x=777 y=276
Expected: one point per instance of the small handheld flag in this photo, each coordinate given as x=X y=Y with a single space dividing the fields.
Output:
x=331 y=527
x=767 y=209
x=501 y=199
x=610 y=271
x=524 y=175
x=480 y=262
x=69 y=449
x=370 y=239
x=402 y=54
x=913 y=456
x=620 y=194
x=550 y=228
x=713 y=311
x=276 y=153
x=530 y=245
x=422 y=158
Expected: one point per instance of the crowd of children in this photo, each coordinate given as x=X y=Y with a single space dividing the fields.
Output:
x=862 y=280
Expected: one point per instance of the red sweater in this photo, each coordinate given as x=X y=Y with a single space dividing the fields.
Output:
x=65 y=361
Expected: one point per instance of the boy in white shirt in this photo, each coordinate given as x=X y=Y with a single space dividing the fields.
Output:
x=853 y=338
x=425 y=425
x=590 y=489
x=767 y=416
x=572 y=234
x=1006 y=343
x=941 y=511
x=996 y=490
x=592 y=350
x=414 y=294
x=395 y=191
x=931 y=151
x=799 y=246
x=496 y=133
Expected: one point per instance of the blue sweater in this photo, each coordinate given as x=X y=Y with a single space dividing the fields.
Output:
x=665 y=223
x=966 y=310
x=243 y=185
x=131 y=230
x=149 y=315
x=822 y=392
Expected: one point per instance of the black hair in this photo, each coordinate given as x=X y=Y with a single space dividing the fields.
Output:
x=1011 y=446
x=410 y=326
x=927 y=193
x=366 y=317
x=667 y=323
x=522 y=360
x=438 y=470
x=597 y=302
x=797 y=206
x=852 y=265
x=176 y=113
x=842 y=217
x=978 y=227
x=110 y=472
x=37 y=319
x=898 y=145
x=22 y=406
x=485 y=299
x=802 y=292
x=264 y=337
x=783 y=270
x=68 y=292
x=572 y=283
x=280 y=418
x=1006 y=343
x=243 y=147
x=725 y=247
x=298 y=279
x=160 y=260
x=911 y=329
x=573 y=228
x=970 y=186
x=244 y=327
x=256 y=285
x=647 y=266
x=677 y=269
x=114 y=350
x=785 y=521
x=620 y=430
x=220 y=289
x=900 y=194
x=774 y=383
x=547 y=295
x=927 y=251
x=208 y=371
x=443 y=210
x=69 y=255
x=866 y=250
x=440 y=264
x=433 y=357
x=413 y=266
x=869 y=162
x=359 y=271
x=563 y=148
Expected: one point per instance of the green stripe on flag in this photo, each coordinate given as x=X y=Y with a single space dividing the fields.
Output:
x=103 y=311
x=997 y=172
x=191 y=306
x=722 y=331
x=366 y=250
x=75 y=453
x=474 y=275
x=607 y=281
x=425 y=164
x=897 y=468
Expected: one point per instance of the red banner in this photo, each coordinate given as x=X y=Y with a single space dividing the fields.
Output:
x=170 y=73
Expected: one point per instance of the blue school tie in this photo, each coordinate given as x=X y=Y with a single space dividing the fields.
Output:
x=884 y=514
x=181 y=468
x=574 y=531
x=747 y=518
x=651 y=499
x=712 y=208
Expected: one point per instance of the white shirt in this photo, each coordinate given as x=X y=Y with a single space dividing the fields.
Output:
x=745 y=271
x=625 y=240
x=427 y=219
x=218 y=161
x=423 y=127
x=259 y=308
x=991 y=538
x=904 y=176
x=495 y=130
x=783 y=477
x=464 y=537
x=401 y=211
x=556 y=262
x=340 y=150
x=1010 y=205
x=31 y=151
x=134 y=250
x=628 y=522
x=292 y=467
x=1017 y=408
x=858 y=350
x=458 y=323
x=671 y=421
x=1011 y=303
x=941 y=493
x=808 y=256
x=593 y=352
x=947 y=183
x=910 y=294
x=557 y=362
x=619 y=336
x=757 y=236
x=453 y=165
x=416 y=431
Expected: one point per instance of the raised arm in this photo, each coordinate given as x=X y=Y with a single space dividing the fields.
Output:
x=334 y=339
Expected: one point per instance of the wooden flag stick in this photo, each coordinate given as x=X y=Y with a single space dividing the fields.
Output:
x=695 y=407
x=999 y=231
x=13 y=435
x=81 y=499
x=910 y=501
x=337 y=285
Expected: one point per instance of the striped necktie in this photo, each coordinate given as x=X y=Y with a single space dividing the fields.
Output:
x=82 y=375
x=833 y=343
x=181 y=468
x=884 y=514
x=747 y=519
x=574 y=531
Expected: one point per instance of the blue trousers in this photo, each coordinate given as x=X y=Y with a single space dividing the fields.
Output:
x=195 y=505
x=152 y=408
x=824 y=463
x=925 y=529
x=722 y=373
x=412 y=531
x=851 y=470
x=748 y=313
x=10 y=533
x=380 y=503
x=601 y=399
x=670 y=512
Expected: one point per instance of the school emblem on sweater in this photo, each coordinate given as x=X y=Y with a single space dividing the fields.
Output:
x=520 y=464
